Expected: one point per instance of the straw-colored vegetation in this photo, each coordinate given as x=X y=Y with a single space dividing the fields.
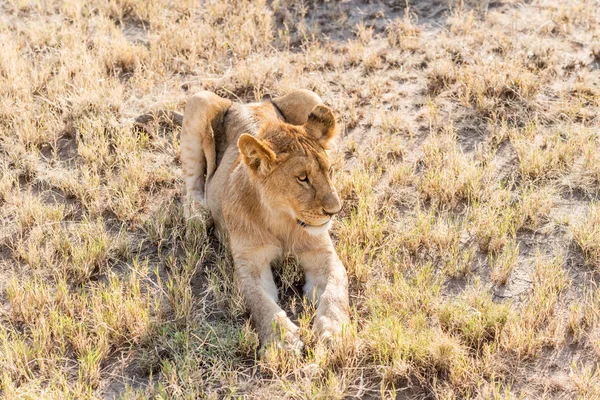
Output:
x=469 y=166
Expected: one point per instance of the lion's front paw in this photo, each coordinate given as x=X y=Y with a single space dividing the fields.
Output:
x=327 y=328
x=292 y=342
x=284 y=335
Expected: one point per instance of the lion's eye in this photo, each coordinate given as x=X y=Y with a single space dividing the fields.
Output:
x=303 y=178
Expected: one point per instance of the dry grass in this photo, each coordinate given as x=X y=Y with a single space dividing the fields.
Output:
x=586 y=234
x=469 y=166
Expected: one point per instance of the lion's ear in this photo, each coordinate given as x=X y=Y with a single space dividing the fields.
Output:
x=257 y=154
x=321 y=124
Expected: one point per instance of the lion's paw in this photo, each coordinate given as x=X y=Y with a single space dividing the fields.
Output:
x=194 y=204
x=292 y=343
x=284 y=336
x=327 y=329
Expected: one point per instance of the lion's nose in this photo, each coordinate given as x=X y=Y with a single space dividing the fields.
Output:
x=333 y=206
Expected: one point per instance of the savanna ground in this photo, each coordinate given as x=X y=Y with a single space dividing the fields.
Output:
x=469 y=166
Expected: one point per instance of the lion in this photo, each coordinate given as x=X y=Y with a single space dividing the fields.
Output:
x=263 y=171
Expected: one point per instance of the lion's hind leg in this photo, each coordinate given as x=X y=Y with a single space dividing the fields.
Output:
x=297 y=105
x=203 y=118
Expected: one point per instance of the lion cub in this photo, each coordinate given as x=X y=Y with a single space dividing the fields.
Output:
x=263 y=172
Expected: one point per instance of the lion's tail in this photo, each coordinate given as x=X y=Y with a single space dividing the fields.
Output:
x=164 y=117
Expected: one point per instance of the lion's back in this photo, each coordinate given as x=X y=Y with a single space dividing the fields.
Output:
x=240 y=119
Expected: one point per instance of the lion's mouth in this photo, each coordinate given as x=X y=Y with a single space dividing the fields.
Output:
x=305 y=225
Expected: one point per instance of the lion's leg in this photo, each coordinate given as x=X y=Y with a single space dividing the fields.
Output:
x=327 y=284
x=297 y=105
x=203 y=112
x=255 y=279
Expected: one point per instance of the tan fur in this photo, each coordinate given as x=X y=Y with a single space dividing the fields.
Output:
x=247 y=163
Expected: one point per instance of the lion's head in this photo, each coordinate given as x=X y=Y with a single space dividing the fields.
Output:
x=290 y=166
